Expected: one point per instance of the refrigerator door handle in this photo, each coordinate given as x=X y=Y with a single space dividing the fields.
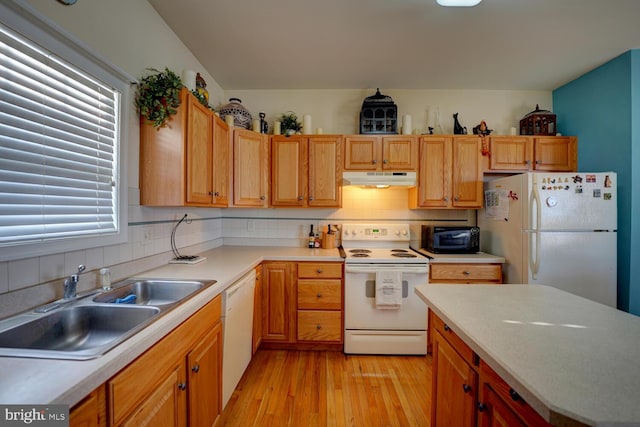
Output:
x=534 y=202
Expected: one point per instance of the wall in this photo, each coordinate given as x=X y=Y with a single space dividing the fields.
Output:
x=601 y=108
x=131 y=35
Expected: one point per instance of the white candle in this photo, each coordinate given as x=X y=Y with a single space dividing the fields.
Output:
x=319 y=131
x=276 y=128
x=406 y=124
x=306 y=124
x=256 y=125
x=189 y=79
x=229 y=119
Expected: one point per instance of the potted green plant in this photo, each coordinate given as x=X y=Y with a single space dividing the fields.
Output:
x=158 y=96
x=290 y=124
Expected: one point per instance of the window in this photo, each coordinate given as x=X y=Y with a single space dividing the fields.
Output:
x=60 y=131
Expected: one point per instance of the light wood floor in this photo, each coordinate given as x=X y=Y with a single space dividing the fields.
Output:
x=316 y=388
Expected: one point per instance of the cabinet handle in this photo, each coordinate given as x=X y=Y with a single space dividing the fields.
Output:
x=300 y=198
x=318 y=327
x=217 y=194
x=182 y=386
x=466 y=273
x=196 y=368
x=466 y=388
x=262 y=197
x=482 y=407
x=311 y=198
x=446 y=327
x=538 y=162
x=374 y=161
x=319 y=271
x=456 y=199
x=527 y=162
x=211 y=193
x=514 y=395
x=446 y=199
x=385 y=161
x=319 y=295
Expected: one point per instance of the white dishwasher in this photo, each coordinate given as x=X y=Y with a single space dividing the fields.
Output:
x=237 y=321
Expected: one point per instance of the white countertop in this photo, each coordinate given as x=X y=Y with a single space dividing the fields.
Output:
x=567 y=356
x=42 y=381
x=479 y=257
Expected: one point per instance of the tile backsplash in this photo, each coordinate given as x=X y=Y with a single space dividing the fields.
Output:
x=30 y=282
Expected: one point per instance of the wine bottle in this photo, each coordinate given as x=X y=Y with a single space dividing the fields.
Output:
x=312 y=238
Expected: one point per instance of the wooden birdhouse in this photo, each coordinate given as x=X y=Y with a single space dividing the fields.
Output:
x=538 y=122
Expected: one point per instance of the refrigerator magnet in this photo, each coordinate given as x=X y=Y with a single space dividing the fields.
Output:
x=577 y=179
x=578 y=189
x=596 y=192
x=607 y=196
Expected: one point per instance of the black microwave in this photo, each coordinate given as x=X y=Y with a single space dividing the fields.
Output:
x=451 y=240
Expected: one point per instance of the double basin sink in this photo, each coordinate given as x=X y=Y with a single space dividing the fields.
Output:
x=88 y=327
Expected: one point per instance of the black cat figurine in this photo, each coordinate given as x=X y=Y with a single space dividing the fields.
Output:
x=458 y=129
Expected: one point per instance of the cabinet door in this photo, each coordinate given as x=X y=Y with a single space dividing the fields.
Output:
x=511 y=153
x=221 y=156
x=288 y=171
x=199 y=153
x=205 y=379
x=495 y=413
x=165 y=406
x=325 y=171
x=257 y=311
x=454 y=385
x=400 y=153
x=434 y=177
x=278 y=309
x=90 y=412
x=250 y=164
x=553 y=153
x=362 y=152
x=467 y=172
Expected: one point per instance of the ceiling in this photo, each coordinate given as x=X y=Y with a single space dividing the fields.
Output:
x=401 y=44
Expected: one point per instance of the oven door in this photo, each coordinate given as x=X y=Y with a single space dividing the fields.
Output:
x=360 y=306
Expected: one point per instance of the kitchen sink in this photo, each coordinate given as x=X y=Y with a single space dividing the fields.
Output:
x=76 y=332
x=150 y=292
x=85 y=328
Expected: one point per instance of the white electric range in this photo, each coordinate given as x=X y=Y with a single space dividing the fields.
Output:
x=376 y=253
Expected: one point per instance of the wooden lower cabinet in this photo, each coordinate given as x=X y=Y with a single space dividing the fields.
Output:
x=278 y=302
x=90 y=411
x=178 y=381
x=465 y=273
x=467 y=392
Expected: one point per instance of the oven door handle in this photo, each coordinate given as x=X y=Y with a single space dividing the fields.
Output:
x=373 y=269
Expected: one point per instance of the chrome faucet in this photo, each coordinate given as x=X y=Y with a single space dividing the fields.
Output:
x=71 y=282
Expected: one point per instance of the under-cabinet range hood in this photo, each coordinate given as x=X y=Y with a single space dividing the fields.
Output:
x=379 y=179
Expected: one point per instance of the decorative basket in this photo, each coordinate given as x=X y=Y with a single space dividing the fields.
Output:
x=538 y=122
x=241 y=116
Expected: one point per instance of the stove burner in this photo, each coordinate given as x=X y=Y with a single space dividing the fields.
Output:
x=403 y=255
x=399 y=250
x=360 y=251
x=360 y=255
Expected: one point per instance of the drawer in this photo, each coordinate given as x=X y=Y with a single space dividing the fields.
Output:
x=465 y=273
x=314 y=294
x=460 y=346
x=319 y=270
x=319 y=325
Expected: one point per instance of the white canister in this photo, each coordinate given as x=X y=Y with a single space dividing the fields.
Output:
x=256 y=125
x=306 y=124
x=407 y=127
x=277 y=128
x=189 y=79
x=513 y=131
x=319 y=131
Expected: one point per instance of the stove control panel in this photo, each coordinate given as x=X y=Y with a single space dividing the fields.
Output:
x=389 y=232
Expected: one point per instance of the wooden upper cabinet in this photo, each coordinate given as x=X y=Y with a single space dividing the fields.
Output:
x=450 y=173
x=467 y=172
x=199 y=153
x=325 y=171
x=250 y=168
x=288 y=170
x=306 y=171
x=533 y=153
x=398 y=152
x=186 y=162
x=221 y=161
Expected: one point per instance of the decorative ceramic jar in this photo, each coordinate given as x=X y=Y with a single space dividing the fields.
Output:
x=241 y=116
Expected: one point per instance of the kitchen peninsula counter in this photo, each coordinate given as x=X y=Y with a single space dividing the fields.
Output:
x=477 y=258
x=44 y=381
x=570 y=358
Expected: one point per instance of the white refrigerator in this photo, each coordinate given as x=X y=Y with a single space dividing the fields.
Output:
x=556 y=229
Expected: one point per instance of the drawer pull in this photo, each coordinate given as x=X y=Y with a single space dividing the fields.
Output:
x=466 y=273
x=196 y=368
x=466 y=388
x=318 y=327
x=182 y=386
x=319 y=271
x=482 y=407
x=446 y=327
x=514 y=395
x=319 y=295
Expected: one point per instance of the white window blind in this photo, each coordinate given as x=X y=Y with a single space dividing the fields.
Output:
x=58 y=143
